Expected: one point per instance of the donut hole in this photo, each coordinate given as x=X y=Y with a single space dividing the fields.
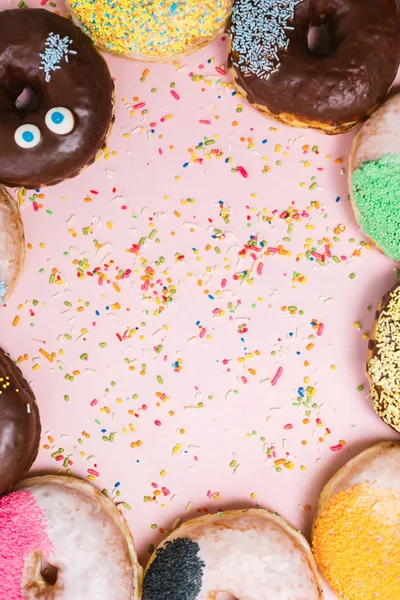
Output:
x=27 y=100
x=48 y=571
x=318 y=40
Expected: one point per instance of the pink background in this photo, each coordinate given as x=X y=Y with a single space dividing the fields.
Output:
x=199 y=472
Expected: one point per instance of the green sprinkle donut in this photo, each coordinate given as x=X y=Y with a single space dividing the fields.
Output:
x=374 y=177
x=376 y=193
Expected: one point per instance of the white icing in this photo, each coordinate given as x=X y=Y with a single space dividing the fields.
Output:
x=378 y=467
x=379 y=135
x=90 y=551
x=27 y=136
x=253 y=558
x=60 y=120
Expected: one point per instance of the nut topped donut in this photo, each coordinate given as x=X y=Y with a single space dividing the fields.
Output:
x=251 y=554
x=56 y=99
x=331 y=87
x=19 y=425
x=61 y=539
x=12 y=245
x=383 y=366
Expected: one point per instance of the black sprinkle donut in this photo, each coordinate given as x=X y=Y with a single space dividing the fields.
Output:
x=69 y=99
x=331 y=87
x=251 y=554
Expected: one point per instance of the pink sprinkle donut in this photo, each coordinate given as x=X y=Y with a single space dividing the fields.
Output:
x=62 y=539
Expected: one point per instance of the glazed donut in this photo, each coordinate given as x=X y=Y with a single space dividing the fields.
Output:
x=66 y=114
x=331 y=89
x=252 y=554
x=12 y=245
x=383 y=366
x=19 y=425
x=151 y=30
x=374 y=177
x=357 y=526
x=78 y=534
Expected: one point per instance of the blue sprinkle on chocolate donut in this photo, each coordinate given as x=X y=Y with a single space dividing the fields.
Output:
x=325 y=64
x=56 y=99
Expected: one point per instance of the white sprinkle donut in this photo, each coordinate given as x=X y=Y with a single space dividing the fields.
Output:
x=252 y=554
x=356 y=530
x=12 y=245
x=68 y=524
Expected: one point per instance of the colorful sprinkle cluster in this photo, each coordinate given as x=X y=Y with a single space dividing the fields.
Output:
x=154 y=28
x=178 y=320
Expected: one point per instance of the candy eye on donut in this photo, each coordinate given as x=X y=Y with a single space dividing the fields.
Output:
x=60 y=120
x=27 y=136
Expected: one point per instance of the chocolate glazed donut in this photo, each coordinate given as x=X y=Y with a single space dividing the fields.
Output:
x=70 y=94
x=19 y=424
x=332 y=91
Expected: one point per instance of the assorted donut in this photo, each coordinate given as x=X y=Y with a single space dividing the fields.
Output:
x=331 y=88
x=56 y=99
x=247 y=553
x=19 y=424
x=356 y=529
x=60 y=538
x=63 y=539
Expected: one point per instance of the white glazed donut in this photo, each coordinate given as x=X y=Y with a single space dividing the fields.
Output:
x=12 y=244
x=356 y=531
x=252 y=554
x=374 y=177
x=68 y=524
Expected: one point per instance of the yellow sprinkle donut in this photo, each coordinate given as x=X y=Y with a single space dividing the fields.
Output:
x=356 y=537
x=151 y=30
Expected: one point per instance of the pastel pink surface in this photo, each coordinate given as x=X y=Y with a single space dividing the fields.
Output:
x=22 y=531
x=209 y=430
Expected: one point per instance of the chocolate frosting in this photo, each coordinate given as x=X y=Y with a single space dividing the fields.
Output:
x=19 y=424
x=83 y=85
x=344 y=85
